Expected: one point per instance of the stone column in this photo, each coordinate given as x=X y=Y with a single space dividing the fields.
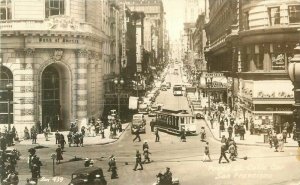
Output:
x=24 y=90
x=81 y=90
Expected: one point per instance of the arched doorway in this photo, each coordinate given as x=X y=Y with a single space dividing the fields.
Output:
x=6 y=77
x=56 y=97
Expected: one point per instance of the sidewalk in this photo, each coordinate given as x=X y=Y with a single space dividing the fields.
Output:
x=250 y=140
x=88 y=140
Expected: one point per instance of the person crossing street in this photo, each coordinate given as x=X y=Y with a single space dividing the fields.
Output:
x=137 y=135
x=138 y=161
x=223 y=153
x=156 y=135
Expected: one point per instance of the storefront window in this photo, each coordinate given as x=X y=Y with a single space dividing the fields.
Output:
x=259 y=58
x=294 y=14
x=5 y=9
x=54 y=7
x=278 y=61
x=274 y=15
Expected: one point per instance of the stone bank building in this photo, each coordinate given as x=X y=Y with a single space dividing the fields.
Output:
x=55 y=53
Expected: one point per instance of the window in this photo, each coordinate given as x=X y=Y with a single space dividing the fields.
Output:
x=54 y=7
x=246 y=21
x=5 y=9
x=294 y=14
x=259 y=57
x=6 y=77
x=274 y=16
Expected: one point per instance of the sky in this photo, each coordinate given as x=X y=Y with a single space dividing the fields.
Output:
x=174 y=17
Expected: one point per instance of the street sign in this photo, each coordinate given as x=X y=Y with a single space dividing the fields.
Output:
x=211 y=75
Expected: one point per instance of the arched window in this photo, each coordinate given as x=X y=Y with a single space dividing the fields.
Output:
x=6 y=77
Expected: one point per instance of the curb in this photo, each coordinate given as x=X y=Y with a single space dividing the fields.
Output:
x=242 y=144
x=105 y=143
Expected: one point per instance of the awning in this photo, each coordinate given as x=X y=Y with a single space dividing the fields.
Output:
x=273 y=112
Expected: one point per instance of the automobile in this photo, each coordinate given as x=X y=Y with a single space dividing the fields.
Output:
x=138 y=121
x=198 y=112
x=88 y=176
x=163 y=87
x=151 y=113
x=169 y=85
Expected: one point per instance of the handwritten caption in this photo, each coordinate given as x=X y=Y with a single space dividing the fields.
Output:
x=54 y=179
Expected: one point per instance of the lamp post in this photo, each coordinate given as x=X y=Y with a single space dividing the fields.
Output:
x=119 y=83
x=9 y=88
x=294 y=74
x=208 y=87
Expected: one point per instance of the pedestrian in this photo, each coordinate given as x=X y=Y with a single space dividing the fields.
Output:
x=82 y=130
x=183 y=136
x=284 y=134
x=270 y=137
x=206 y=153
x=146 y=156
x=137 y=135
x=222 y=126
x=81 y=136
x=70 y=138
x=46 y=132
x=110 y=162
x=223 y=139
x=62 y=141
x=230 y=131
x=57 y=137
x=156 y=135
x=138 y=161
x=59 y=153
x=152 y=124
x=11 y=179
x=280 y=141
x=275 y=141
x=34 y=173
x=212 y=122
x=242 y=132
x=247 y=123
x=236 y=129
x=145 y=146
x=223 y=153
x=26 y=133
x=33 y=136
x=3 y=143
x=120 y=125
x=102 y=132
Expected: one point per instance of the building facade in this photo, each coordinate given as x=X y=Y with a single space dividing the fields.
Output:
x=268 y=36
x=53 y=53
x=251 y=42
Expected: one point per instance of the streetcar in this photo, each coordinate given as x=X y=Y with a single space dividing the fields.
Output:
x=175 y=121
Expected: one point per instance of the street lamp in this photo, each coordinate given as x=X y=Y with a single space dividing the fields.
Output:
x=208 y=88
x=9 y=88
x=119 y=83
x=294 y=74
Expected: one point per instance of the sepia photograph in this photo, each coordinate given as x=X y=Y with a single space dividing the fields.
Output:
x=150 y=92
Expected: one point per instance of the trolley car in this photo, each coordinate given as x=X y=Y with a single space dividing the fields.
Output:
x=175 y=121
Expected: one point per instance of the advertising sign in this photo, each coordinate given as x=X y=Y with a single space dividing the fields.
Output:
x=133 y=103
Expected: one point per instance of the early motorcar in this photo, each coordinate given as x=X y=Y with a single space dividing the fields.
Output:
x=88 y=176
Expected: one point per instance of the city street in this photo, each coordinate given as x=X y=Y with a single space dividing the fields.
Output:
x=263 y=166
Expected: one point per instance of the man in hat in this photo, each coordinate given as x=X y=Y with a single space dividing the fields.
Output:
x=146 y=155
x=57 y=137
x=137 y=134
x=111 y=161
x=156 y=135
x=59 y=153
x=145 y=145
x=223 y=153
x=168 y=177
x=138 y=161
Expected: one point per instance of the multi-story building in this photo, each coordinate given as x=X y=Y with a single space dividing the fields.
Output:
x=55 y=54
x=153 y=26
x=269 y=31
x=251 y=42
